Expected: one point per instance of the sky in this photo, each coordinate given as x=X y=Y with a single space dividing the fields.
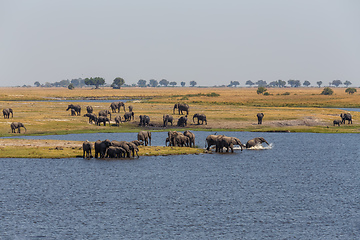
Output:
x=210 y=42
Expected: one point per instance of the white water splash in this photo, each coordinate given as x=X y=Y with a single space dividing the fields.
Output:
x=261 y=147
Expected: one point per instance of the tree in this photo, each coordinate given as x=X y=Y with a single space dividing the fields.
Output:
x=261 y=90
x=71 y=86
x=336 y=83
x=183 y=84
x=249 y=82
x=281 y=83
x=97 y=81
x=306 y=83
x=153 y=83
x=173 y=83
x=274 y=84
x=117 y=83
x=234 y=83
x=164 y=82
x=37 y=84
x=141 y=83
x=327 y=91
x=294 y=83
x=350 y=90
x=347 y=83
x=261 y=83
x=319 y=83
x=193 y=83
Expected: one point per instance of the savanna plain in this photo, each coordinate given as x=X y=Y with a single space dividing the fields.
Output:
x=43 y=112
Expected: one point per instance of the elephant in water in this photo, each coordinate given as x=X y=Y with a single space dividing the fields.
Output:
x=212 y=140
x=144 y=136
x=191 y=137
x=181 y=107
x=256 y=141
x=200 y=117
x=17 y=125
x=228 y=143
x=115 y=152
x=100 y=147
x=260 y=117
x=87 y=149
x=77 y=108
x=7 y=111
x=346 y=117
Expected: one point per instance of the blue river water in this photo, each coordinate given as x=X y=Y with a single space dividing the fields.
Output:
x=304 y=186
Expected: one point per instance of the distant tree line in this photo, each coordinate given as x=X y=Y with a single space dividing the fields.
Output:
x=291 y=83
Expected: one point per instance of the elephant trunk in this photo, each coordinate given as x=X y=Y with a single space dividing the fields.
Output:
x=24 y=128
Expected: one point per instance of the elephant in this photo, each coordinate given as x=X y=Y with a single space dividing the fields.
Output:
x=167 y=119
x=337 y=122
x=77 y=108
x=115 y=152
x=171 y=138
x=228 y=143
x=182 y=121
x=346 y=117
x=105 y=113
x=191 y=137
x=17 y=125
x=87 y=149
x=102 y=119
x=144 y=120
x=100 y=147
x=212 y=140
x=7 y=111
x=124 y=145
x=128 y=116
x=73 y=112
x=181 y=107
x=200 y=117
x=130 y=108
x=181 y=140
x=144 y=136
x=133 y=147
x=116 y=106
x=89 y=109
x=137 y=142
x=118 y=120
x=260 y=117
x=92 y=117
x=256 y=141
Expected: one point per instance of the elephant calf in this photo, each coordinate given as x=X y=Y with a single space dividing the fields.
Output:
x=256 y=141
x=337 y=122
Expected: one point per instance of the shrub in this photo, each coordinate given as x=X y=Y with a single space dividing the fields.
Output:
x=71 y=86
x=327 y=91
x=261 y=90
x=286 y=93
x=350 y=90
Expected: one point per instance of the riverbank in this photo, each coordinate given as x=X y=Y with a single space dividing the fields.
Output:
x=31 y=148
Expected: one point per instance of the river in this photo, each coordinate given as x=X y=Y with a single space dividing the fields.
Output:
x=304 y=186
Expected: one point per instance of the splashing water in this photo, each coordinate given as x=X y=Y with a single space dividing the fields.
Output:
x=261 y=147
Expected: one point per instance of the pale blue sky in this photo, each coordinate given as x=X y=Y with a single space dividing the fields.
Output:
x=210 y=42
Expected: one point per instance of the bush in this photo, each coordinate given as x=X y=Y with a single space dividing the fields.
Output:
x=350 y=90
x=261 y=90
x=71 y=86
x=286 y=93
x=266 y=93
x=327 y=91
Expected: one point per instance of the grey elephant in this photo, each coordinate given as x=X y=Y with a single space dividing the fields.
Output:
x=102 y=119
x=92 y=117
x=128 y=116
x=17 y=125
x=100 y=147
x=260 y=117
x=144 y=120
x=182 y=107
x=87 y=149
x=144 y=136
x=256 y=141
x=124 y=145
x=105 y=113
x=346 y=117
x=182 y=121
x=171 y=138
x=337 y=122
x=228 y=143
x=73 y=112
x=212 y=140
x=200 y=117
x=130 y=108
x=191 y=137
x=167 y=119
x=77 y=108
x=181 y=140
x=116 y=106
x=89 y=109
x=115 y=152
x=7 y=112
x=118 y=120
x=137 y=142
x=133 y=148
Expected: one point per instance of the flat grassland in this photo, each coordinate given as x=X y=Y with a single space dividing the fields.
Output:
x=42 y=110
